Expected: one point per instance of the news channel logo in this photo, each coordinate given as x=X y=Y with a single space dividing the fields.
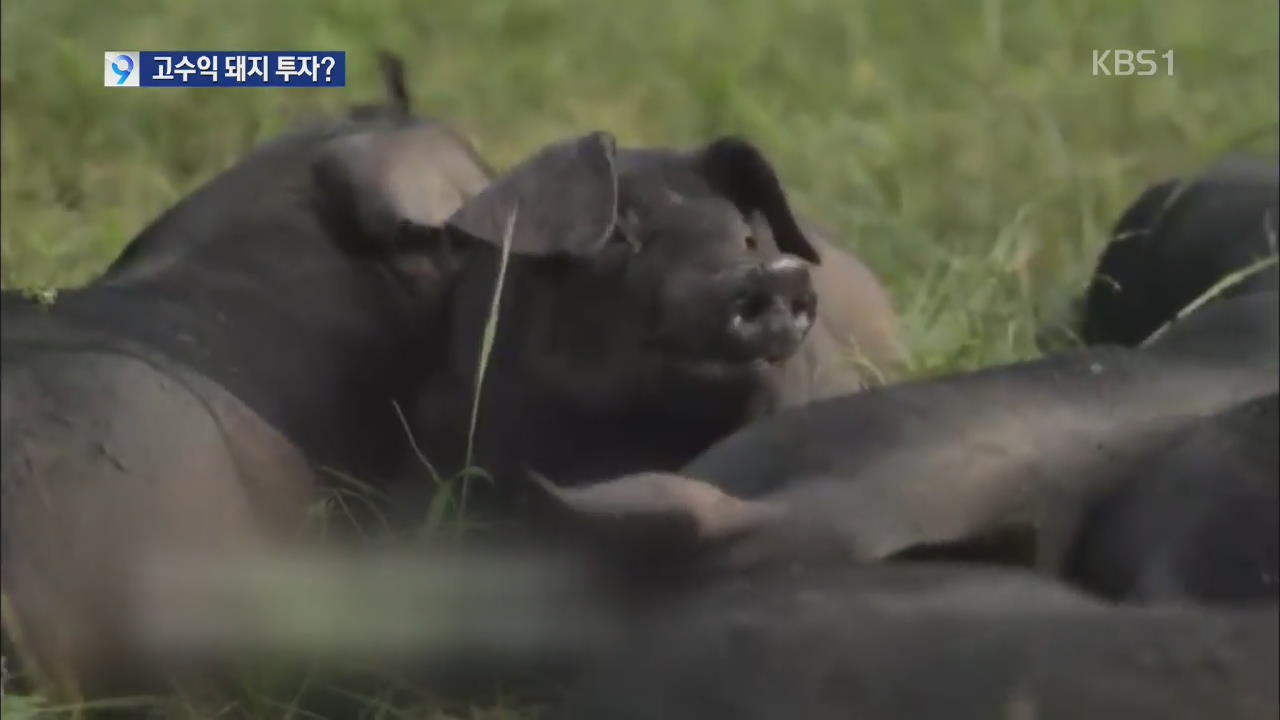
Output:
x=1119 y=62
x=120 y=69
x=224 y=68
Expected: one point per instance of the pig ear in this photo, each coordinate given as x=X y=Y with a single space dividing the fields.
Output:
x=659 y=509
x=379 y=180
x=1123 y=310
x=564 y=199
x=391 y=66
x=738 y=170
x=397 y=105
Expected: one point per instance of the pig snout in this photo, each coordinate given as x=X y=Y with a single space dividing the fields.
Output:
x=774 y=309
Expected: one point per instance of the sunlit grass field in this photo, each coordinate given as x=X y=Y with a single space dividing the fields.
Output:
x=963 y=148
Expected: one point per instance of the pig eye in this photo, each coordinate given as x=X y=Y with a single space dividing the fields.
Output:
x=751 y=243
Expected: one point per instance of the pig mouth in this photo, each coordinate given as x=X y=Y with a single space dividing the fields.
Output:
x=753 y=334
x=699 y=363
x=703 y=368
x=737 y=354
x=774 y=345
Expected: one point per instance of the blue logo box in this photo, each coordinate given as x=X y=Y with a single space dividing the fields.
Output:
x=225 y=69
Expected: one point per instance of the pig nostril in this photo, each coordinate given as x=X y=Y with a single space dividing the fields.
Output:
x=753 y=306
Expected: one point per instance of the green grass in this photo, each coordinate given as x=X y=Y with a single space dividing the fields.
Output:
x=962 y=147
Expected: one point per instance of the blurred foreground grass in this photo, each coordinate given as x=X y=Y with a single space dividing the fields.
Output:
x=962 y=147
